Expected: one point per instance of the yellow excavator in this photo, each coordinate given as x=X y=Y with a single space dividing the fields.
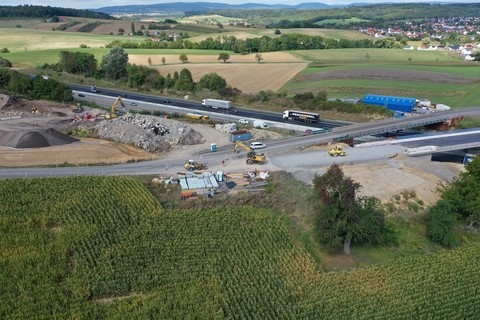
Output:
x=252 y=156
x=192 y=165
x=337 y=151
x=113 y=110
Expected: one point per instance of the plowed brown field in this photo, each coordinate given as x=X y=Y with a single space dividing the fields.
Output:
x=240 y=71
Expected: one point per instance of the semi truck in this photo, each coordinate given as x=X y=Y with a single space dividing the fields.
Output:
x=217 y=104
x=301 y=116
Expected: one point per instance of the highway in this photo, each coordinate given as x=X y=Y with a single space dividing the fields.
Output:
x=159 y=103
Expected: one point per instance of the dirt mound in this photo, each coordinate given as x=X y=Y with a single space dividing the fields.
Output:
x=21 y=106
x=34 y=138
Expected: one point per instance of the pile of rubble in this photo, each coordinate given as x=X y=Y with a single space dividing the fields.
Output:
x=149 y=133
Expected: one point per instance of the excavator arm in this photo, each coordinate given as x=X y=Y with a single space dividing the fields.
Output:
x=113 y=113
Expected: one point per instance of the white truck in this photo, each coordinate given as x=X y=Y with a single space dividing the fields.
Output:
x=260 y=124
x=217 y=104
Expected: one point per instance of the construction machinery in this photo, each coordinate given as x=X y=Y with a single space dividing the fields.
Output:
x=192 y=165
x=113 y=110
x=252 y=156
x=337 y=151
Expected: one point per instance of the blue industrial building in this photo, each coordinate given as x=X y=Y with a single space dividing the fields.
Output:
x=390 y=102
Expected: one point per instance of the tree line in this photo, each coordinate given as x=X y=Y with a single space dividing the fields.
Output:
x=44 y=12
x=115 y=67
x=285 y=42
x=34 y=86
x=378 y=15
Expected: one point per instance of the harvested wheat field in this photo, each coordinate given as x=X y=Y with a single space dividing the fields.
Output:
x=240 y=71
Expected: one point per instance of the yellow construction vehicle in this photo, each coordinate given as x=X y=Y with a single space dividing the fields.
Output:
x=113 y=111
x=252 y=156
x=191 y=165
x=337 y=151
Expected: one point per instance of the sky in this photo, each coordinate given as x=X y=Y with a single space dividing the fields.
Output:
x=94 y=4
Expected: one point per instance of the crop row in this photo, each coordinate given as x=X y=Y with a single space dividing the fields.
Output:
x=82 y=240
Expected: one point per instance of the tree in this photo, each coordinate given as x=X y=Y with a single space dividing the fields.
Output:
x=258 y=57
x=133 y=27
x=277 y=32
x=163 y=60
x=4 y=63
x=441 y=220
x=343 y=216
x=223 y=56
x=460 y=200
x=212 y=82
x=121 y=31
x=183 y=57
x=114 y=64
x=78 y=63
x=184 y=82
x=149 y=61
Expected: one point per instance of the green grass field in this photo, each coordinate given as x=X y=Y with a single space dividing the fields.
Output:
x=103 y=248
x=33 y=48
x=437 y=86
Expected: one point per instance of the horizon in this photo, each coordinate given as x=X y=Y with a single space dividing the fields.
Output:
x=91 y=4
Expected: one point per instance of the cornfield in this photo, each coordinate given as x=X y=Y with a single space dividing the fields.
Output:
x=102 y=247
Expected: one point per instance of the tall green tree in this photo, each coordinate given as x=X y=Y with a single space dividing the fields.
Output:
x=441 y=220
x=5 y=63
x=183 y=57
x=184 y=81
x=212 y=82
x=461 y=200
x=223 y=56
x=132 y=27
x=114 y=64
x=342 y=215
x=78 y=63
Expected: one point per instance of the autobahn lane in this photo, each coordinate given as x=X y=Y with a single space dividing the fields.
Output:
x=196 y=106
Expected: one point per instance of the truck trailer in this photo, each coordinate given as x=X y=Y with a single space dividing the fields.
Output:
x=301 y=116
x=217 y=104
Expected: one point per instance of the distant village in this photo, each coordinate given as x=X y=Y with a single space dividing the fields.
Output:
x=466 y=29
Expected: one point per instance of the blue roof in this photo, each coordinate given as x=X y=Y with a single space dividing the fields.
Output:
x=379 y=99
x=391 y=102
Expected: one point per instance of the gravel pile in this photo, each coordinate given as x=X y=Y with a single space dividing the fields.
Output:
x=149 y=133
x=34 y=138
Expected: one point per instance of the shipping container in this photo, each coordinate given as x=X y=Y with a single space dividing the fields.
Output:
x=241 y=135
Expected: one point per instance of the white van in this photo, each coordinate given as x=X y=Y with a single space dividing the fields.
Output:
x=257 y=145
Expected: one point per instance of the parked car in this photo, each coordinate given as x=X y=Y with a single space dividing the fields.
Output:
x=133 y=103
x=243 y=121
x=81 y=95
x=257 y=145
x=166 y=101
